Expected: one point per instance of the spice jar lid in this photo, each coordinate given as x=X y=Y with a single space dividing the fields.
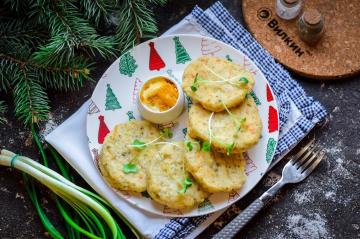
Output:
x=312 y=16
x=290 y=2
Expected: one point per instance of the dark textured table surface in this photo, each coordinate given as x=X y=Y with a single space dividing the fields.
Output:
x=326 y=205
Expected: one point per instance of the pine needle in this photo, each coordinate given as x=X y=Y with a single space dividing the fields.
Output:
x=98 y=11
x=31 y=101
x=2 y=112
x=136 y=22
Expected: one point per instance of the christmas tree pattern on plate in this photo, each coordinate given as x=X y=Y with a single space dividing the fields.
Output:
x=256 y=99
x=209 y=47
x=93 y=109
x=136 y=88
x=103 y=130
x=206 y=205
x=269 y=95
x=273 y=120
x=111 y=102
x=181 y=54
x=270 y=149
x=155 y=61
x=127 y=64
x=130 y=114
x=233 y=195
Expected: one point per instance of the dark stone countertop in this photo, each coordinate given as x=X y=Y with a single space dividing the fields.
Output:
x=326 y=205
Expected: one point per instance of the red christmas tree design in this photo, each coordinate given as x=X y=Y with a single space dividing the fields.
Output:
x=103 y=130
x=269 y=95
x=155 y=61
x=273 y=121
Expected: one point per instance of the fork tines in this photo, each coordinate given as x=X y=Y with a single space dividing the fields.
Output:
x=308 y=157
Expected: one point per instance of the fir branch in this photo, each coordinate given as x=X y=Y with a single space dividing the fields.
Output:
x=21 y=32
x=137 y=21
x=98 y=11
x=158 y=2
x=71 y=33
x=31 y=101
x=70 y=77
x=2 y=112
x=67 y=77
x=8 y=71
x=15 y=5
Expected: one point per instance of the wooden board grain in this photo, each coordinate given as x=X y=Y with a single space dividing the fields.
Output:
x=336 y=55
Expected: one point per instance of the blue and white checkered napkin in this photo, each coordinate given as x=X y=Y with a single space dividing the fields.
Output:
x=298 y=115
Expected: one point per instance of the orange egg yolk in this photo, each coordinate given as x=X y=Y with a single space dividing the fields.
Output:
x=159 y=94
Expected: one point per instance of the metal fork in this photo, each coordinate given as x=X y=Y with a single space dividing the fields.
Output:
x=296 y=170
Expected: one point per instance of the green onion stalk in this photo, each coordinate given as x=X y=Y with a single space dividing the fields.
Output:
x=84 y=212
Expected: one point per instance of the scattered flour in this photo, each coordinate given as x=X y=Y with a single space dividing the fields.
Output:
x=311 y=227
x=50 y=125
x=18 y=195
x=337 y=157
x=279 y=236
x=336 y=109
x=357 y=151
x=331 y=195
x=303 y=197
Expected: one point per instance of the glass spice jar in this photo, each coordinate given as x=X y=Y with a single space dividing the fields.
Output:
x=311 y=26
x=288 y=9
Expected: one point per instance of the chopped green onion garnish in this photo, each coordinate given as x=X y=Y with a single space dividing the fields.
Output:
x=244 y=80
x=185 y=185
x=195 y=83
x=206 y=146
x=189 y=146
x=167 y=133
x=138 y=144
x=230 y=148
x=130 y=168
x=196 y=78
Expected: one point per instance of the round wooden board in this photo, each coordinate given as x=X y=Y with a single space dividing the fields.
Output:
x=336 y=55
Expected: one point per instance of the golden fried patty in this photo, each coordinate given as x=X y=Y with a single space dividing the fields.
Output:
x=215 y=172
x=116 y=153
x=241 y=126
x=219 y=82
x=166 y=177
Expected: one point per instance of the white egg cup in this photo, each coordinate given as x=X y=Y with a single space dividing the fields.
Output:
x=163 y=117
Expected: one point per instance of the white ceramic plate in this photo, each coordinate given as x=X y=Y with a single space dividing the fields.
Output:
x=114 y=101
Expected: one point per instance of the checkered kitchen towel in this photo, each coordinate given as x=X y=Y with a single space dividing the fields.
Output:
x=298 y=112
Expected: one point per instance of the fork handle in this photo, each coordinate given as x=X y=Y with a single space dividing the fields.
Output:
x=230 y=230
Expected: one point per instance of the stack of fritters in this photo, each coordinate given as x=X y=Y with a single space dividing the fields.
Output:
x=160 y=165
x=223 y=123
x=224 y=116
